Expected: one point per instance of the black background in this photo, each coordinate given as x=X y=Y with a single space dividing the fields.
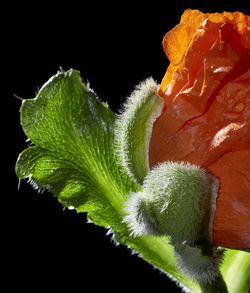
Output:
x=114 y=47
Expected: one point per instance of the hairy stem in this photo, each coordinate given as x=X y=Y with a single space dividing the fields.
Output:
x=217 y=286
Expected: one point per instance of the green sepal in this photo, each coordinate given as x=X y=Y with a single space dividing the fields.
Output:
x=200 y=262
x=175 y=201
x=134 y=128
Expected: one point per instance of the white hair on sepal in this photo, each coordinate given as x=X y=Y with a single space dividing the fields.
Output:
x=198 y=266
x=139 y=95
x=137 y=218
x=126 y=116
x=133 y=129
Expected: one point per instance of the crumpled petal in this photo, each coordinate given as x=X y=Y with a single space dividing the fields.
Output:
x=206 y=119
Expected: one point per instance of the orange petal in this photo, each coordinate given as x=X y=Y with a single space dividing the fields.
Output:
x=176 y=41
x=232 y=217
x=206 y=118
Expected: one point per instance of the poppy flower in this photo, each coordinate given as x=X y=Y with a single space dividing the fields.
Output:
x=206 y=116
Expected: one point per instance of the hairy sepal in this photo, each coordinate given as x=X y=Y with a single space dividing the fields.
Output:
x=134 y=128
x=175 y=201
x=137 y=217
x=199 y=262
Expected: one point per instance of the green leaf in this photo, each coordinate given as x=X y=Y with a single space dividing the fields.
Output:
x=72 y=132
x=236 y=271
x=72 y=156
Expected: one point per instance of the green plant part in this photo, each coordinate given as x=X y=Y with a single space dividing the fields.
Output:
x=200 y=262
x=176 y=198
x=134 y=128
x=176 y=202
x=73 y=156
